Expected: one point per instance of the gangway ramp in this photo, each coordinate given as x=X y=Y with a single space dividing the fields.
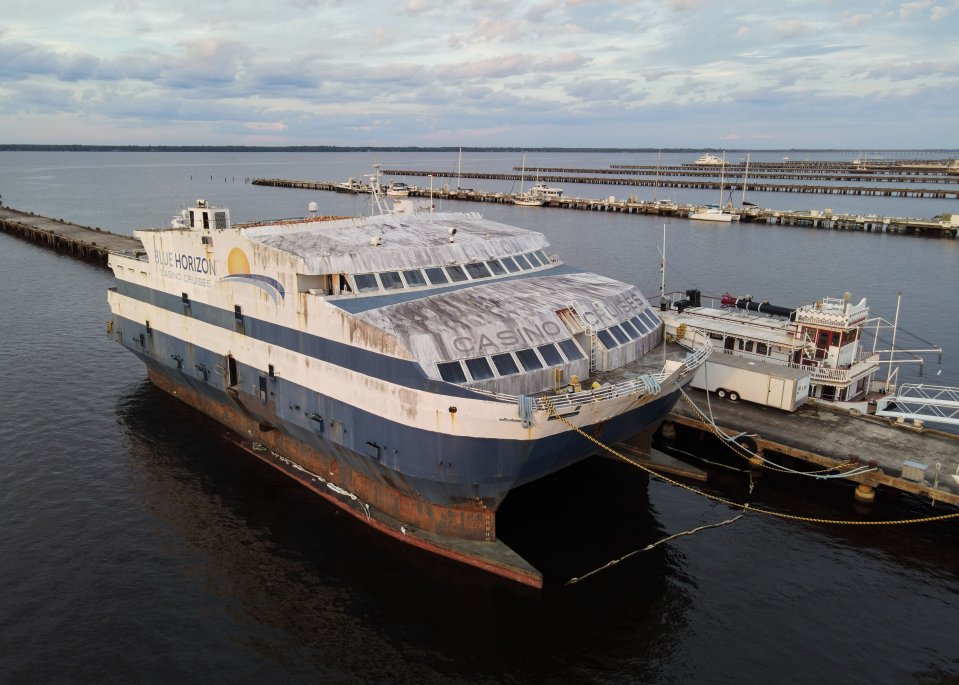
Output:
x=920 y=402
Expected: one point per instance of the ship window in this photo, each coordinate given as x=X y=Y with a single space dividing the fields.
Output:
x=523 y=262
x=510 y=265
x=237 y=312
x=571 y=350
x=456 y=273
x=391 y=280
x=452 y=372
x=630 y=329
x=542 y=257
x=477 y=270
x=650 y=318
x=640 y=325
x=185 y=298
x=617 y=332
x=762 y=348
x=533 y=259
x=437 y=276
x=528 y=359
x=220 y=219
x=496 y=267
x=414 y=277
x=749 y=346
x=479 y=368
x=206 y=220
x=365 y=283
x=605 y=338
x=550 y=354
x=505 y=364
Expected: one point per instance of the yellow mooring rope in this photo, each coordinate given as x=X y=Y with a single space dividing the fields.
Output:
x=737 y=505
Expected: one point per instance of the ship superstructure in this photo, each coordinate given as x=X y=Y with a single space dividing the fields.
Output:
x=410 y=367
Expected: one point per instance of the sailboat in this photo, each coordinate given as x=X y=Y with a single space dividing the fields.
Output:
x=717 y=212
x=525 y=199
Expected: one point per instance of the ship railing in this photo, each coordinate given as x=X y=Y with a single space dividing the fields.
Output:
x=645 y=384
x=857 y=370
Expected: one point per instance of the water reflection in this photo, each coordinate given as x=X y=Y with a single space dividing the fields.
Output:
x=312 y=588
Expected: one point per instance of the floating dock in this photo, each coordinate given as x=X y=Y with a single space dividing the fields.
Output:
x=824 y=219
x=907 y=457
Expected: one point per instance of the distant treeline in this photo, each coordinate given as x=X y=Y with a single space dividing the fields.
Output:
x=400 y=148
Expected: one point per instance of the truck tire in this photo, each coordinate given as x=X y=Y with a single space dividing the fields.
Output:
x=733 y=395
x=720 y=392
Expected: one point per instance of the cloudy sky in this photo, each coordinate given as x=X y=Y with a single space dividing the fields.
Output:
x=856 y=74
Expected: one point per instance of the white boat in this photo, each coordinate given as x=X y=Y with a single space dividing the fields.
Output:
x=410 y=367
x=713 y=213
x=717 y=213
x=398 y=189
x=350 y=185
x=545 y=192
x=708 y=159
x=525 y=198
x=826 y=339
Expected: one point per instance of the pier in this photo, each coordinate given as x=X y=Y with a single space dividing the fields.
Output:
x=91 y=244
x=824 y=219
x=697 y=181
x=907 y=456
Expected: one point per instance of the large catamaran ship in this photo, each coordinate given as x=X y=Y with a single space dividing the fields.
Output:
x=412 y=367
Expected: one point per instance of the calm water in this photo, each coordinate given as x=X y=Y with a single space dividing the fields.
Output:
x=137 y=546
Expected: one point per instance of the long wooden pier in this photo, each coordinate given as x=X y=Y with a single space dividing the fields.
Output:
x=84 y=242
x=808 y=219
x=698 y=182
x=826 y=438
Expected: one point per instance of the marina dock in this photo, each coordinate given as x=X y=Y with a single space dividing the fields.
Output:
x=87 y=243
x=697 y=180
x=824 y=219
x=907 y=457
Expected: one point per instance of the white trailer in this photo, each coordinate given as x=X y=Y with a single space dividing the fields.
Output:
x=735 y=377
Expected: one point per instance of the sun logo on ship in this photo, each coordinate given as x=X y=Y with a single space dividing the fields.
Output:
x=238 y=269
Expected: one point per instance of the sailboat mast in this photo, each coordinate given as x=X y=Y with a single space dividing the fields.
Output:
x=722 y=179
x=745 y=176
x=662 y=268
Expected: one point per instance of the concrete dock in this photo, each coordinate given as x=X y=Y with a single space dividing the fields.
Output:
x=918 y=460
x=87 y=243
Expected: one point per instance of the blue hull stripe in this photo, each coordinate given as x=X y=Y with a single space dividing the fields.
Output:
x=383 y=367
x=437 y=466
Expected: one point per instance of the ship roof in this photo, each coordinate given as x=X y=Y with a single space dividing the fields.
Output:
x=394 y=241
x=434 y=320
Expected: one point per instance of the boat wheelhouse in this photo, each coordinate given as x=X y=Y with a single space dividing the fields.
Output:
x=823 y=338
x=410 y=367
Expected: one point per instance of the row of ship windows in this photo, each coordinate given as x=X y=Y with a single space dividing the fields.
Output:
x=509 y=363
x=439 y=275
x=542 y=356
x=635 y=328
